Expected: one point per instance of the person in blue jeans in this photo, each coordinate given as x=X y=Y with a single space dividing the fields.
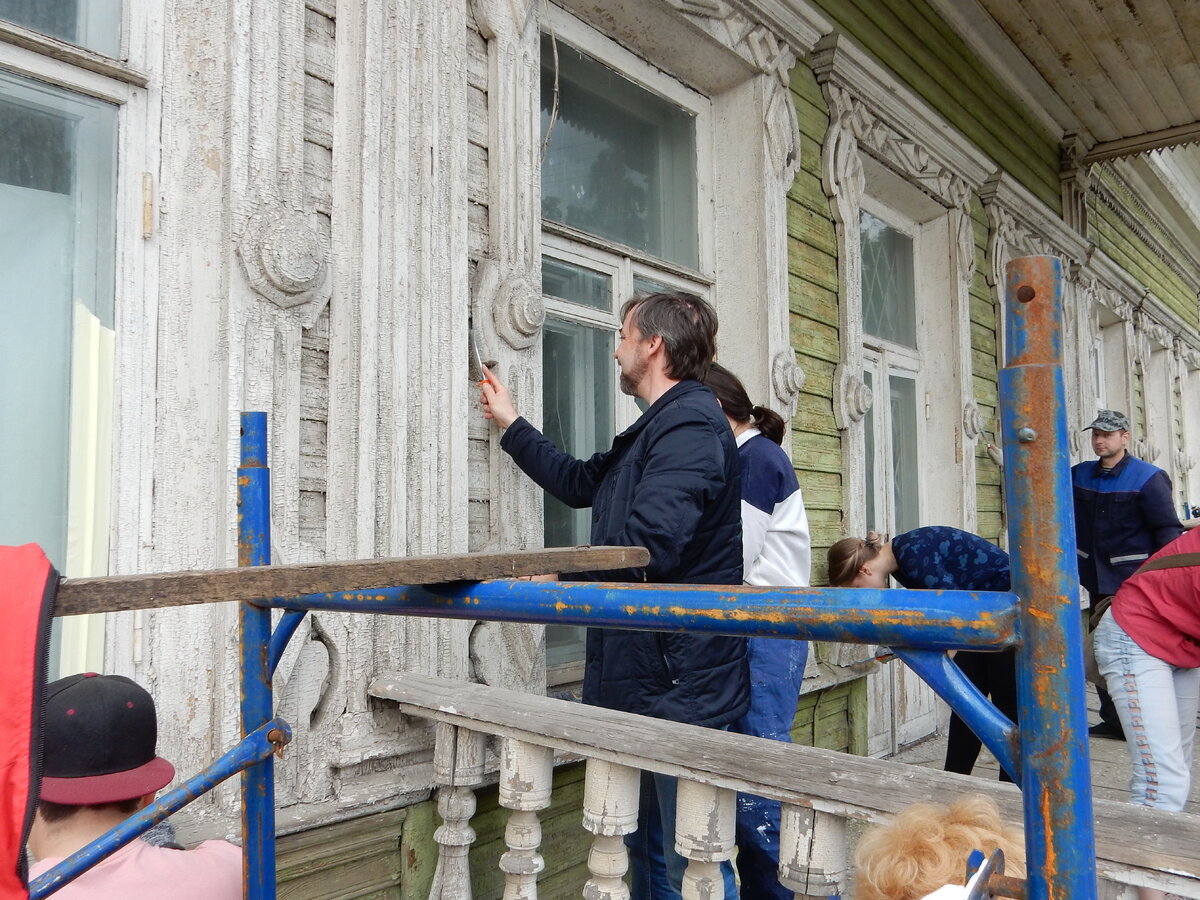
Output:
x=775 y=551
x=1148 y=650
x=938 y=557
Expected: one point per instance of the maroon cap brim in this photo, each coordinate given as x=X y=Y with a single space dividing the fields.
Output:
x=93 y=789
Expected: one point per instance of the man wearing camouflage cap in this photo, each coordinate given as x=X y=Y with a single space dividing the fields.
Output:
x=1123 y=514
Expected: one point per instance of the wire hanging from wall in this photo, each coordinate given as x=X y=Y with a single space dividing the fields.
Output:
x=553 y=101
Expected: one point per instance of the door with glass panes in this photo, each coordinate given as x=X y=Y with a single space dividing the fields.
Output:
x=903 y=708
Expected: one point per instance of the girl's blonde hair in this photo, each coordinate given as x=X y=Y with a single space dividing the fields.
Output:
x=849 y=555
x=926 y=847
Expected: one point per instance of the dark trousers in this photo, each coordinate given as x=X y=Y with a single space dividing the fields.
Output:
x=1108 y=712
x=995 y=674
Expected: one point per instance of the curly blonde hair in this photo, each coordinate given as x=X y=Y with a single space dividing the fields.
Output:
x=926 y=847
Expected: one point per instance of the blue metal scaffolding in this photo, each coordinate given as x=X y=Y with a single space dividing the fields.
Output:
x=1048 y=755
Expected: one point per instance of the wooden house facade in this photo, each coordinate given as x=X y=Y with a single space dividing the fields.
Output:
x=306 y=206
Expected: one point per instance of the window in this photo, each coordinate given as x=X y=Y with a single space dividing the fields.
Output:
x=891 y=369
x=58 y=252
x=621 y=180
x=93 y=24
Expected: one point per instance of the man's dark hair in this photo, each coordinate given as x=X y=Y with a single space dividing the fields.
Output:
x=57 y=812
x=687 y=325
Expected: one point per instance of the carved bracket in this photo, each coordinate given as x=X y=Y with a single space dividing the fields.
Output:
x=1008 y=237
x=283 y=257
x=852 y=398
x=910 y=159
x=787 y=378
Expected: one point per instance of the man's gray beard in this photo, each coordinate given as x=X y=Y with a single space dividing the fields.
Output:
x=627 y=385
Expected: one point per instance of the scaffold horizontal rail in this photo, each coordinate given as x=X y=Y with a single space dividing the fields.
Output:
x=935 y=620
x=114 y=593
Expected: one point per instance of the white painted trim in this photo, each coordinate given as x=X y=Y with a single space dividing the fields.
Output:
x=31 y=64
x=838 y=59
x=794 y=21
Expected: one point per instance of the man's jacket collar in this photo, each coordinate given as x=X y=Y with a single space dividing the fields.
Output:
x=680 y=389
x=1115 y=470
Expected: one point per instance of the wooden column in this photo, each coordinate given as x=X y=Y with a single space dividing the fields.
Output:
x=610 y=811
x=704 y=835
x=526 y=780
x=458 y=767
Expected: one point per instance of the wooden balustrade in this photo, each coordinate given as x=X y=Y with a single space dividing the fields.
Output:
x=821 y=791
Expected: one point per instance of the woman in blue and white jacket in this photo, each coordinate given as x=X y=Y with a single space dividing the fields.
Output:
x=775 y=551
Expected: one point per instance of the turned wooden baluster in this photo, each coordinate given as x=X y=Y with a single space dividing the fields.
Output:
x=610 y=811
x=812 y=852
x=704 y=835
x=458 y=767
x=526 y=779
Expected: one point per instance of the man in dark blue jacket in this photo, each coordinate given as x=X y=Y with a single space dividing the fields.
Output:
x=1123 y=514
x=669 y=483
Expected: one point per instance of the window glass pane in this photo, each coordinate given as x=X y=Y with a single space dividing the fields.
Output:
x=577 y=284
x=874 y=522
x=94 y=24
x=888 y=284
x=621 y=161
x=905 y=465
x=577 y=397
x=643 y=285
x=57 y=247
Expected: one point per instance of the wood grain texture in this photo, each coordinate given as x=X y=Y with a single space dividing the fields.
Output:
x=77 y=596
x=1129 y=839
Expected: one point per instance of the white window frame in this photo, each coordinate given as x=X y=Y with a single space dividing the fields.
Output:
x=620 y=262
x=884 y=357
x=95 y=491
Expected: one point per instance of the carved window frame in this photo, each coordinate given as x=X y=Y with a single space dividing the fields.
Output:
x=97 y=498
x=880 y=135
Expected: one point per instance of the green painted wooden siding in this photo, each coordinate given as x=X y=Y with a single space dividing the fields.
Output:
x=985 y=369
x=813 y=280
x=910 y=39
x=361 y=859
x=1130 y=251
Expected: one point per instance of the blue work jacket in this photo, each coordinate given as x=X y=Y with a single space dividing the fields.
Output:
x=1120 y=519
x=671 y=484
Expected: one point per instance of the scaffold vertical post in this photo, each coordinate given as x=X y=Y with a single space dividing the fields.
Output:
x=254 y=549
x=1056 y=771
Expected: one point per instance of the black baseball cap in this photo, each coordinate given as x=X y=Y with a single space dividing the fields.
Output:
x=100 y=741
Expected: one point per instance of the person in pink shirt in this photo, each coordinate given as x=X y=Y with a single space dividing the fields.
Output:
x=100 y=766
x=1148 y=650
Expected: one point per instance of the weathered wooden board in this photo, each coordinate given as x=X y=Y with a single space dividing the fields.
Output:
x=1128 y=838
x=77 y=596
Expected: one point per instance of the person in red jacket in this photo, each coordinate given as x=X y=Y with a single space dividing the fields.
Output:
x=1148 y=650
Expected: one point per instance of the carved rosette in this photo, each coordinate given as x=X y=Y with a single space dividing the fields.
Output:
x=973 y=424
x=518 y=313
x=852 y=398
x=283 y=257
x=787 y=378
